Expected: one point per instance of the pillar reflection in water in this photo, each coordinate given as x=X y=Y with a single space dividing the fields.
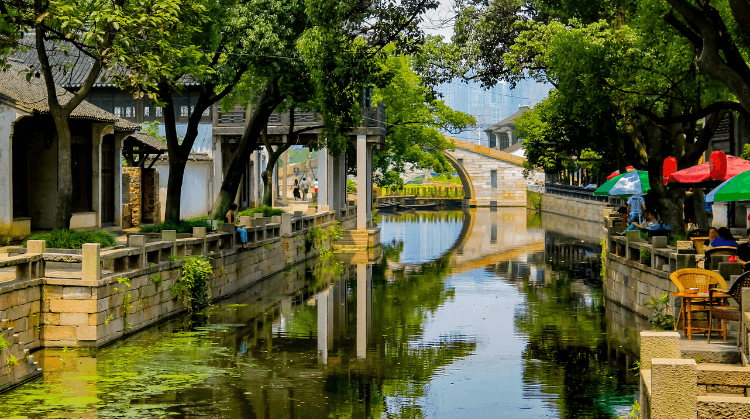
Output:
x=364 y=308
x=322 y=304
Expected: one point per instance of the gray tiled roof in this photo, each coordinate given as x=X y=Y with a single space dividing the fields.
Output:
x=191 y=157
x=69 y=65
x=507 y=121
x=148 y=141
x=31 y=97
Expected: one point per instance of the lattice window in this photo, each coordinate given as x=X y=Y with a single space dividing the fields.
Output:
x=183 y=111
x=129 y=112
x=159 y=112
x=146 y=111
x=207 y=112
x=118 y=111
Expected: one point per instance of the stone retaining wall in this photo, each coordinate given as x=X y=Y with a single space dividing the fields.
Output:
x=573 y=207
x=45 y=309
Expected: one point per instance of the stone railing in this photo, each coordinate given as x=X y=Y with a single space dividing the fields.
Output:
x=676 y=388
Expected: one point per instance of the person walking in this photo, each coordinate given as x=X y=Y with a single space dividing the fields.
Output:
x=304 y=186
x=295 y=191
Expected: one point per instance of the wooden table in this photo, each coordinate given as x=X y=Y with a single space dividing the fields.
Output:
x=685 y=309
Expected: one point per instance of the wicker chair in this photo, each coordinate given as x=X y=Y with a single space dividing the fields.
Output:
x=697 y=233
x=696 y=278
x=716 y=310
x=720 y=250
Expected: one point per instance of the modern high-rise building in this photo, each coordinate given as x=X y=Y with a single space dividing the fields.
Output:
x=490 y=106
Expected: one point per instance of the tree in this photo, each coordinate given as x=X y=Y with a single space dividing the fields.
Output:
x=326 y=66
x=415 y=120
x=627 y=90
x=102 y=31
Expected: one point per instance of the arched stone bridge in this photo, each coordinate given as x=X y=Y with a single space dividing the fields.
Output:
x=486 y=237
x=491 y=176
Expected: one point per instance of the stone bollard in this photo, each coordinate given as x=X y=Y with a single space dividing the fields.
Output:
x=286 y=224
x=674 y=388
x=658 y=345
x=325 y=208
x=633 y=236
x=298 y=214
x=683 y=261
x=36 y=246
x=245 y=221
x=199 y=232
x=311 y=211
x=170 y=236
x=745 y=308
x=659 y=242
x=92 y=266
x=139 y=241
x=258 y=215
x=726 y=270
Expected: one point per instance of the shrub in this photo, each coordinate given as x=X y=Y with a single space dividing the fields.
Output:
x=73 y=239
x=351 y=186
x=645 y=256
x=192 y=284
x=265 y=209
x=660 y=320
x=184 y=226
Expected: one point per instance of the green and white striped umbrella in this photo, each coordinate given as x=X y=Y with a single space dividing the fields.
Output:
x=631 y=183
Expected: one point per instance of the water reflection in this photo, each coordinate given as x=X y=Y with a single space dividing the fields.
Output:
x=485 y=317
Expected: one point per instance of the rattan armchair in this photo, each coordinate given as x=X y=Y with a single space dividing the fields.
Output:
x=701 y=279
x=717 y=310
x=719 y=250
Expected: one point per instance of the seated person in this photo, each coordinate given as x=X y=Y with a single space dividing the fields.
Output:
x=624 y=215
x=712 y=234
x=232 y=219
x=725 y=239
x=743 y=253
x=649 y=223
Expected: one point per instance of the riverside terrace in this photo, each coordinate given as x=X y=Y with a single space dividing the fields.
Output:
x=94 y=297
x=680 y=378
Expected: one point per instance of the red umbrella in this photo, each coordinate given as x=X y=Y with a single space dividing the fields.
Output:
x=617 y=172
x=720 y=167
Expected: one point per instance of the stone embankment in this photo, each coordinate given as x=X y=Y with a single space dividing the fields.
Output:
x=94 y=297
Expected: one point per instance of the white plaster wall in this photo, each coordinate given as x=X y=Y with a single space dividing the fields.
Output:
x=197 y=188
x=7 y=116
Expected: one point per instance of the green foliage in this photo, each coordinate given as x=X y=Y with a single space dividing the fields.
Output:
x=415 y=124
x=745 y=152
x=151 y=128
x=534 y=199
x=351 y=186
x=674 y=238
x=184 y=226
x=635 y=412
x=3 y=343
x=446 y=178
x=645 y=256
x=157 y=280
x=603 y=272
x=192 y=283
x=73 y=239
x=264 y=209
x=660 y=320
x=12 y=360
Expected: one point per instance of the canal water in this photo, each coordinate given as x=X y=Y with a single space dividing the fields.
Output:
x=477 y=314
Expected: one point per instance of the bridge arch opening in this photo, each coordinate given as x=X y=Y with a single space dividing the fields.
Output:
x=463 y=175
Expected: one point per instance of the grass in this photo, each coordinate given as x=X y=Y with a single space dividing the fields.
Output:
x=266 y=210
x=446 y=179
x=184 y=226
x=72 y=239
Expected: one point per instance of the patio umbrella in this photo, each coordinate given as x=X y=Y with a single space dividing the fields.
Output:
x=617 y=172
x=734 y=189
x=631 y=183
x=720 y=167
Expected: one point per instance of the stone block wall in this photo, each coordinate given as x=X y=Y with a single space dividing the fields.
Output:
x=20 y=309
x=629 y=283
x=131 y=196
x=510 y=187
x=576 y=208
x=16 y=365
x=151 y=206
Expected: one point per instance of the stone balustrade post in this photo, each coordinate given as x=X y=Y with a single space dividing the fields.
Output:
x=170 y=236
x=92 y=266
x=286 y=224
x=658 y=345
x=36 y=246
x=745 y=309
x=311 y=211
x=200 y=233
x=674 y=389
x=139 y=241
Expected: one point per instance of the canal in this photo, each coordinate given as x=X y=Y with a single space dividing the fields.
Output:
x=483 y=314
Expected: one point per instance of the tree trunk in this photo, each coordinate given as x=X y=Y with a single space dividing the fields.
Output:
x=267 y=102
x=64 y=176
x=267 y=177
x=699 y=204
x=174 y=189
